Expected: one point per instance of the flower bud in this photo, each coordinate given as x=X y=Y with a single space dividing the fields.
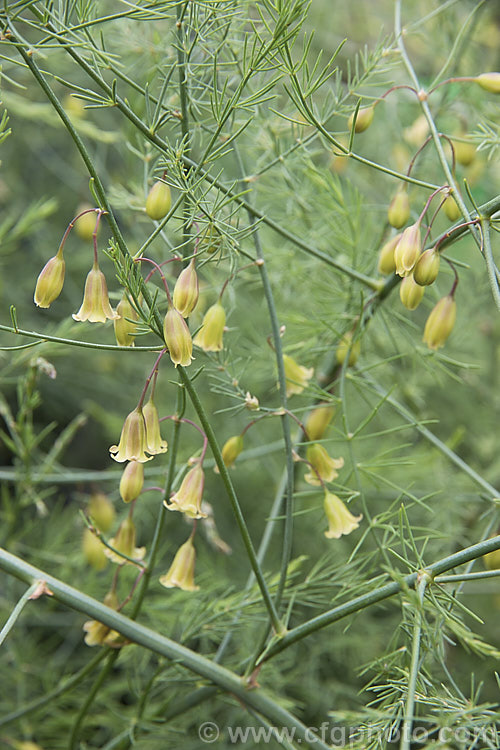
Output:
x=124 y=542
x=440 y=322
x=297 y=377
x=153 y=436
x=125 y=327
x=386 y=261
x=181 y=573
x=209 y=337
x=85 y=225
x=232 y=449
x=210 y=239
x=133 y=444
x=50 y=281
x=318 y=421
x=95 y=306
x=465 y=153
x=186 y=291
x=132 y=481
x=251 y=402
x=347 y=346
x=340 y=519
x=451 y=208
x=399 y=209
x=363 y=120
x=408 y=249
x=101 y=511
x=427 y=267
x=177 y=338
x=93 y=550
x=489 y=82
x=187 y=499
x=411 y=293
x=158 y=201
x=323 y=467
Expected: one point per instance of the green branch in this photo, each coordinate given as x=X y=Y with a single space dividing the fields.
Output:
x=378 y=595
x=228 y=681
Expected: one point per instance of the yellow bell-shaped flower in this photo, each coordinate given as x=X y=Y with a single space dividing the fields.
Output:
x=181 y=573
x=340 y=519
x=209 y=337
x=133 y=442
x=50 y=281
x=323 y=467
x=187 y=499
x=297 y=376
x=95 y=306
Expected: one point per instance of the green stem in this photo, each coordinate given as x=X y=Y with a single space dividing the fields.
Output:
x=285 y=419
x=73 y=342
x=490 y=263
x=14 y=615
x=414 y=667
x=228 y=681
x=73 y=740
x=377 y=595
x=240 y=520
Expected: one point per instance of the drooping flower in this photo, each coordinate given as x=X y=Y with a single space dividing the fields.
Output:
x=186 y=291
x=50 y=281
x=427 y=267
x=177 y=338
x=209 y=337
x=98 y=634
x=318 y=420
x=232 y=449
x=93 y=550
x=410 y=292
x=321 y=464
x=187 y=499
x=154 y=439
x=125 y=327
x=386 y=261
x=297 y=376
x=489 y=82
x=124 y=542
x=132 y=481
x=340 y=519
x=133 y=443
x=95 y=306
x=363 y=120
x=181 y=573
x=408 y=249
x=440 y=322
x=346 y=346
x=101 y=511
x=399 y=209
x=158 y=201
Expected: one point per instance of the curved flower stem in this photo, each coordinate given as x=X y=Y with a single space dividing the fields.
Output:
x=240 y=520
x=414 y=666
